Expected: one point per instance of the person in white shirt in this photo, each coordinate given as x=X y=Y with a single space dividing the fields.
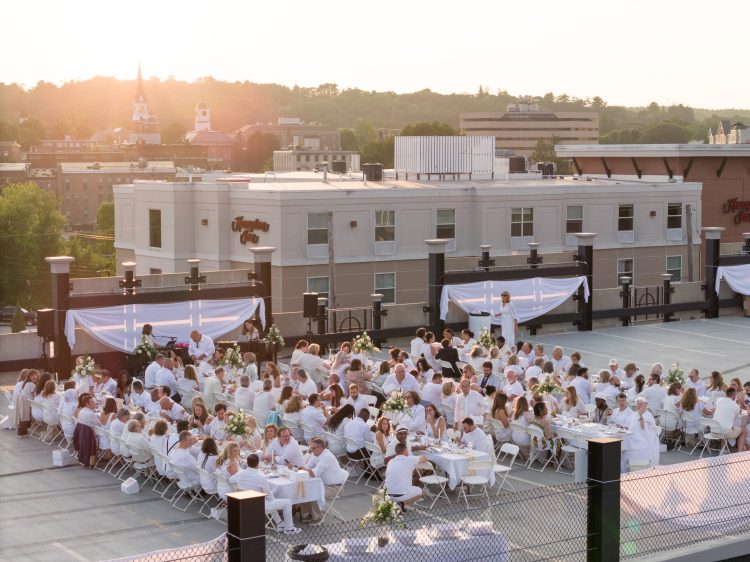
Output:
x=473 y=436
x=513 y=389
x=212 y=385
x=323 y=464
x=695 y=381
x=654 y=393
x=454 y=340
x=469 y=403
x=416 y=415
x=285 y=450
x=427 y=351
x=726 y=411
x=487 y=378
x=251 y=478
x=314 y=365
x=313 y=417
x=614 y=369
x=560 y=361
x=137 y=443
x=265 y=402
x=416 y=343
x=106 y=385
x=400 y=380
x=622 y=417
x=244 y=396
x=398 y=476
x=153 y=406
x=138 y=395
x=117 y=428
x=582 y=385
x=358 y=433
x=150 y=374
x=88 y=415
x=165 y=377
x=306 y=386
x=432 y=391
x=171 y=410
x=628 y=379
x=535 y=370
x=182 y=457
x=219 y=420
x=355 y=399
x=201 y=347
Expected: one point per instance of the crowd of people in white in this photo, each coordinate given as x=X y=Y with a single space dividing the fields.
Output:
x=316 y=414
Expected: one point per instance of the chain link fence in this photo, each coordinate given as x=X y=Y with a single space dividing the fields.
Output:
x=675 y=506
x=216 y=550
x=529 y=526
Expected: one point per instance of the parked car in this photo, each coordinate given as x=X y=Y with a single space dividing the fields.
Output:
x=7 y=312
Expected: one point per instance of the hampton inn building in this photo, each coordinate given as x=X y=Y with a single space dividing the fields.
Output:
x=379 y=229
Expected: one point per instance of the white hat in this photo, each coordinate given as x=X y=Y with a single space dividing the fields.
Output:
x=613 y=361
x=600 y=395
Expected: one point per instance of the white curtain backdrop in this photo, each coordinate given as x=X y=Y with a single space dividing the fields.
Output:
x=736 y=276
x=119 y=327
x=531 y=297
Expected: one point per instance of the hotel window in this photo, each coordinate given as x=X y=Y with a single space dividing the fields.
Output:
x=574 y=220
x=318 y=285
x=674 y=268
x=522 y=222
x=317 y=228
x=446 y=223
x=625 y=223
x=385 y=226
x=154 y=228
x=624 y=269
x=385 y=284
x=154 y=271
x=674 y=221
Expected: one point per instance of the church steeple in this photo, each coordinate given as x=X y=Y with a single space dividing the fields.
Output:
x=140 y=96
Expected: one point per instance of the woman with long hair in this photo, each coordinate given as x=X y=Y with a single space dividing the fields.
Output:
x=51 y=399
x=499 y=413
x=572 y=404
x=357 y=374
x=336 y=396
x=227 y=465
x=191 y=378
x=383 y=433
x=338 y=421
x=521 y=416
x=286 y=395
x=200 y=419
x=639 y=384
x=436 y=426
x=248 y=333
x=270 y=432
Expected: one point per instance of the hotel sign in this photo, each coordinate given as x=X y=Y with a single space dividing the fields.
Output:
x=740 y=208
x=247 y=228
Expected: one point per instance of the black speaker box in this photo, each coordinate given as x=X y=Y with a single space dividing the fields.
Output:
x=310 y=305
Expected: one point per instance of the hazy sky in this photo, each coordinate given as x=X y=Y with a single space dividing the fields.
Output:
x=628 y=52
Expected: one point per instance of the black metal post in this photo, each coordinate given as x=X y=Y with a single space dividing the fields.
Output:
x=435 y=272
x=625 y=294
x=586 y=254
x=195 y=278
x=246 y=529
x=322 y=315
x=746 y=247
x=603 y=517
x=60 y=271
x=667 y=289
x=713 y=252
x=262 y=260
x=130 y=283
x=485 y=263
x=534 y=258
x=377 y=311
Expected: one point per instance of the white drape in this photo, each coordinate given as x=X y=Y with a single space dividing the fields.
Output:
x=119 y=327
x=531 y=297
x=736 y=276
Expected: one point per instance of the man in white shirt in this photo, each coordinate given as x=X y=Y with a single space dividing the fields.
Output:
x=323 y=464
x=432 y=391
x=307 y=386
x=212 y=384
x=416 y=415
x=621 y=414
x=611 y=389
x=525 y=351
x=560 y=361
x=244 y=396
x=182 y=458
x=219 y=421
x=614 y=369
x=417 y=342
x=582 y=385
x=400 y=380
x=88 y=415
x=153 y=406
x=106 y=385
x=201 y=347
x=695 y=381
x=398 y=476
x=138 y=395
x=251 y=478
x=165 y=377
x=455 y=340
x=725 y=413
x=264 y=403
x=355 y=399
x=534 y=370
x=358 y=433
x=313 y=417
x=654 y=393
x=469 y=403
x=473 y=437
x=513 y=389
x=117 y=428
x=628 y=380
x=285 y=450
x=150 y=374
x=171 y=410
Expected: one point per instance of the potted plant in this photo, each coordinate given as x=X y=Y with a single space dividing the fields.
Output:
x=384 y=513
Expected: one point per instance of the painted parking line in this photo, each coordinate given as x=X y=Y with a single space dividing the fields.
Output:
x=658 y=327
x=681 y=348
x=726 y=324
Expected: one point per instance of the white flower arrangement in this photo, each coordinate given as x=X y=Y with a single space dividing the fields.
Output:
x=396 y=403
x=485 y=339
x=84 y=368
x=233 y=357
x=674 y=374
x=273 y=338
x=145 y=348
x=236 y=425
x=548 y=386
x=384 y=511
x=363 y=344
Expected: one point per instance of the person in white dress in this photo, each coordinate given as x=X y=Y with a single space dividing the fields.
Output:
x=68 y=405
x=644 y=442
x=508 y=319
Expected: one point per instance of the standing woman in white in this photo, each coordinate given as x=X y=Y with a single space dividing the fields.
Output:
x=508 y=319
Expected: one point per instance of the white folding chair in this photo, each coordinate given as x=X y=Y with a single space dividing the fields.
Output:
x=715 y=433
x=374 y=412
x=351 y=462
x=328 y=508
x=503 y=470
x=210 y=487
x=669 y=422
x=537 y=449
x=434 y=479
x=185 y=488
x=376 y=462
x=569 y=448
x=370 y=399
x=496 y=426
x=477 y=474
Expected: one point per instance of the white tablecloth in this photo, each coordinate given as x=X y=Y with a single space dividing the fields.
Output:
x=304 y=491
x=463 y=548
x=456 y=465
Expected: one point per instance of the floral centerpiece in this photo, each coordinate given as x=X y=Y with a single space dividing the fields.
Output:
x=233 y=357
x=237 y=425
x=84 y=368
x=363 y=344
x=674 y=374
x=273 y=340
x=485 y=339
x=396 y=403
x=548 y=386
x=146 y=348
x=384 y=511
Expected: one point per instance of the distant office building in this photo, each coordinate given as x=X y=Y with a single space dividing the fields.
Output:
x=218 y=145
x=144 y=126
x=520 y=127
x=339 y=161
x=10 y=151
x=729 y=134
x=292 y=132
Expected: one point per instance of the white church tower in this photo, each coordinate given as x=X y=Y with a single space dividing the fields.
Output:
x=202 y=117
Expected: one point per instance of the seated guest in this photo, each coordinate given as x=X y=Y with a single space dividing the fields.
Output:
x=251 y=478
x=51 y=399
x=357 y=433
x=300 y=348
x=476 y=357
x=424 y=371
x=106 y=384
x=199 y=419
x=435 y=424
x=514 y=388
x=695 y=381
x=212 y=385
x=339 y=420
x=314 y=365
x=487 y=378
x=472 y=437
x=432 y=391
x=398 y=476
x=726 y=411
x=150 y=374
x=628 y=380
x=334 y=395
x=357 y=374
x=292 y=413
x=449 y=354
x=541 y=420
x=137 y=443
x=602 y=411
x=182 y=458
x=88 y=415
x=264 y=402
x=428 y=351
x=355 y=399
x=672 y=399
x=560 y=362
x=138 y=395
x=469 y=403
x=171 y=410
x=654 y=393
x=571 y=404
x=158 y=442
x=165 y=377
x=219 y=421
x=227 y=465
x=252 y=439
x=251 y=368
x=286 y=394
x=207 y=461
x=306 y=385
x=639 y=383
x=416 y=415
x=67 y=406
x=118 y=428
x=313 y=417
x=323 y=464
x=190 y=379
x=400 y=380
x=244 y=396
x=249 y=332
x=582 y=385
x=201 y=347
x=523 y=417
x=500 y=414
x=270 y=432
x=153 y=406
x=621 y=414
x=383 y=434
x=644 y=443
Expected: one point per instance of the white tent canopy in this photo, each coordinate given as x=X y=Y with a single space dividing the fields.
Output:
x=119 y=327
x=532 y=297
x=736 y=276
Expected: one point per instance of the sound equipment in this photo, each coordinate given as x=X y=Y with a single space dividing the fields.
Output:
x=45 y=323
x=310 y=305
